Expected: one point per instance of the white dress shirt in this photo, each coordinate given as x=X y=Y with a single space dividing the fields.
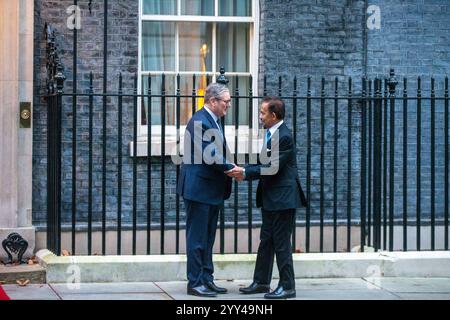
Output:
x=275 y=127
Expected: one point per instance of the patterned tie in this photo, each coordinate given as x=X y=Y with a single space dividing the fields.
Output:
x=268 y=135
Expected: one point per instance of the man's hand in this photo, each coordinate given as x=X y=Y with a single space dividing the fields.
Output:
x=236 y=173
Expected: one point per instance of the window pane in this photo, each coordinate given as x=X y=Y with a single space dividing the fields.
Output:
x=186 y=82
x=233 y=45
x=156 y=101
x=235 y=8
x=195 y=46
x=244 y=104
x=197 y=7
x=160 y=7
x=158 y=46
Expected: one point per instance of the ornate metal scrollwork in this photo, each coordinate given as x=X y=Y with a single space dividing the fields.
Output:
x=15 y=244
x=54 y=65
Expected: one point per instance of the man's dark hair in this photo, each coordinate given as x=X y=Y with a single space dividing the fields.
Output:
x=276 y=105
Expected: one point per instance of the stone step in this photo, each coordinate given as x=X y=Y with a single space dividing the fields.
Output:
x=162 y=268
x=10 y=274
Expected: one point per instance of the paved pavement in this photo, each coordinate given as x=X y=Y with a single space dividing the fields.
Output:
x=307 y=289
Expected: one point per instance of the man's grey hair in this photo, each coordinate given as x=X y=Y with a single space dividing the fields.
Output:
x=215 y=90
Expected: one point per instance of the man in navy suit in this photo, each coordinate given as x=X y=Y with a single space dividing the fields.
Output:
x=279 y=193
x=204 y=186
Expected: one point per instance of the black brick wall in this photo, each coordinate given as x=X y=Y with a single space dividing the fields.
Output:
x=297 y=38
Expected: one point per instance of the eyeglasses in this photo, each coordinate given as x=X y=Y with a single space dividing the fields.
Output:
x=227 y=102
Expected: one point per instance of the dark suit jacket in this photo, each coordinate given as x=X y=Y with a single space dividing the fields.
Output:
x=204 y=182
x=278 y=189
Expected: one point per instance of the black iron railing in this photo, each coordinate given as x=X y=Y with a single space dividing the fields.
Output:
x=368 y=111
x=376 y=112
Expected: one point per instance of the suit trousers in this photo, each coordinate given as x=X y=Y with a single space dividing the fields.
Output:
x=201 y=225
x=275 y=239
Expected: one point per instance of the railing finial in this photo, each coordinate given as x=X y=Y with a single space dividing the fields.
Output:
x=222 y=79
x=392 y=82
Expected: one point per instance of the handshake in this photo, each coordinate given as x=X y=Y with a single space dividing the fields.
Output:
x=236 y=173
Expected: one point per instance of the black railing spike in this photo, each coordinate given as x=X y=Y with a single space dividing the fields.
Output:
x=91 y=80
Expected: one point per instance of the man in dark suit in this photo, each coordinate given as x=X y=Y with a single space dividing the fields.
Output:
x=279 y=193
x=204 y=186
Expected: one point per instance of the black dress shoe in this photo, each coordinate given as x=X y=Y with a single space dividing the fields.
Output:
x=255 y=288
x=280 y=293
x=212 y=286
x=201 y=291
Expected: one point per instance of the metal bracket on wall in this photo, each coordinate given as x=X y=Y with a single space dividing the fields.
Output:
x=25 y=115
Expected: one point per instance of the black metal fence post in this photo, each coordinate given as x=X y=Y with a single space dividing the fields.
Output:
x=119 y=166
x=446 y=174
x=308 y=165
x=149 y=163
x=236 y=150
x=363 y=164
x=335 y=162
x=178 y=168
x=294 y=131
x=433 y=163
x=104 y=119
x=418 y=164
x=135 y=153
x=54 y=163
x=392 y=83
x=163 y=162
x=377 y=166
x=91 y=161
x=250 y=156
x=322 y=162
x=405 y=164
x=51 y=183
x=349 y=164
x=385 y=163
x=369 y=168
x=74 y=135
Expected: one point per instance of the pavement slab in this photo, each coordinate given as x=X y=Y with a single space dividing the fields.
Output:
x=110 y=291
x=412 y=285
x=177 y=290
x=117 y=296
x=30 y=292
x=307 y=289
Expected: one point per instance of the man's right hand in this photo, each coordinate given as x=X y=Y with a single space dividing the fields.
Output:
x=236 y=173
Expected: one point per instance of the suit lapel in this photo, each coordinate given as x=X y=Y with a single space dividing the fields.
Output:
x=214 y=125
x=208 y=117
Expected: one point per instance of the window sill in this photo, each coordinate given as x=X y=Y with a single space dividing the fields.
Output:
x=171 y=145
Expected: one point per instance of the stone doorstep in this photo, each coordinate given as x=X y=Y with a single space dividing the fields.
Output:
x=10 y=274
x=106 y=269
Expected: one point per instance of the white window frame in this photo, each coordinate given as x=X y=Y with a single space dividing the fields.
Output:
x=170 y=140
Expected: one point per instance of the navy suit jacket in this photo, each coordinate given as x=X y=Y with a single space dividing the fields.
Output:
x=281 y=189
x=204 y=182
